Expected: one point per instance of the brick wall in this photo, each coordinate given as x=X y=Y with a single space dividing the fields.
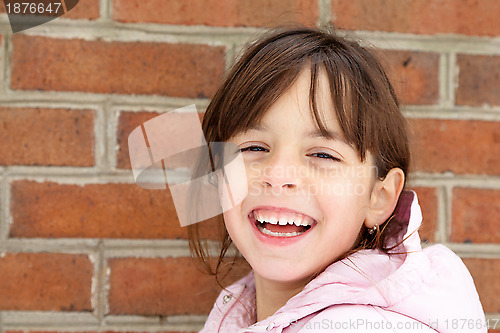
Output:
x=82 y=248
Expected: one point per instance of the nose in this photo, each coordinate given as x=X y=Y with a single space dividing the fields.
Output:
x=281 y=171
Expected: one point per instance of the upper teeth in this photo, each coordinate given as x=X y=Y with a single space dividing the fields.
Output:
x=282 y=218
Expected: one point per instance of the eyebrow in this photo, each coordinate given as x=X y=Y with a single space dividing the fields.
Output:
x=317 y=133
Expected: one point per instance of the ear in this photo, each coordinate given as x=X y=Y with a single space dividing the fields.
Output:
x=384 y=197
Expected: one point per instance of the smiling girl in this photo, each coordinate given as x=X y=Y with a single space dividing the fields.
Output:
x=327 y=227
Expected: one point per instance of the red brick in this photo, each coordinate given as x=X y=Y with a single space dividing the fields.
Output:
x=161 y=286
x=468 y=17
x=478 y=80
x=44 y=136
x=229 y=13
x=485 y=273
x=475 y=215
x=45 y=282
x=459 y=146
x=180 y=70
x=51 y=210
x=85 y=9
x=128 y=121
x=414 y=75
x=427 y=198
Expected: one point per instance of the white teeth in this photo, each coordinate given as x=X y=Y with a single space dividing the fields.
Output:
x=282 y=218
x=278 y=234
x=257 y=215
x=298 y=221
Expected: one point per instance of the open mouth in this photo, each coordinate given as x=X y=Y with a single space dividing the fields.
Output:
x=281 y=224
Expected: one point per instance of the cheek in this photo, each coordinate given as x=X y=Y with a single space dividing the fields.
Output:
x=344 y=199
x=254 y=173
x=233 y=222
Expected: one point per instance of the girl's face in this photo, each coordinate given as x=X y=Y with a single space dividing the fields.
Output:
x=308 y=195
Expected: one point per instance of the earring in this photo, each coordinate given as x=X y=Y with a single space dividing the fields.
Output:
x=373 y=229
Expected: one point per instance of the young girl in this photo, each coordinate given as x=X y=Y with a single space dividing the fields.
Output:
x=326 y=225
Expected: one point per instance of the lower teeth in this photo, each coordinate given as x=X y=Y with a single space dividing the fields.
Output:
x=278 y=234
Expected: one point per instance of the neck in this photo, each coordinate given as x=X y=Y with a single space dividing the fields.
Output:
x=272 y=295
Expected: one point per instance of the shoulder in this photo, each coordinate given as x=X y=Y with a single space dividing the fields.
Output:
x=359 y=318
x=233 y=308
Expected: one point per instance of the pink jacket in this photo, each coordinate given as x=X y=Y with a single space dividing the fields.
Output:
x=423 y=290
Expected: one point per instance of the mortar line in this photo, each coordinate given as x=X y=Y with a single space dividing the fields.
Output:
x=4 y=63
x=61 y=245
x=79 y=99
x=77 y=176
x=94 y=284
x=483 y=251
x=105 y=10
x=229 y=58
x=116 y=248
x=84 y=176
x=58 y=322
x=4 y=208
x=444 y=82
x=100 y=153
x=113 y=116
x=127 y=250
x=47 y=321
x=115 y=31
x=458 y=114
x=114 y=108
x=126 y=323
x=324 y=10
x=172 y=321
x=465 y=184
x=7 y=55
x=494 y=316
x=435 y=179
x=431 y=43
x=100 y=295
x=111 y=31
x=442 y=214
x=108 y=141
x=453 y=71
x=105 y=287
x=141 y=32
x=448 y=211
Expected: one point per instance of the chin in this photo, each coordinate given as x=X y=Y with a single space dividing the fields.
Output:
x=282 y=270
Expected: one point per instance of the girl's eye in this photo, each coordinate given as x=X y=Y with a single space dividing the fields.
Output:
x=253 y=148
x=325 y=156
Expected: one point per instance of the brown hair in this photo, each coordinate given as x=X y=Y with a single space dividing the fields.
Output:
x=365 y=105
